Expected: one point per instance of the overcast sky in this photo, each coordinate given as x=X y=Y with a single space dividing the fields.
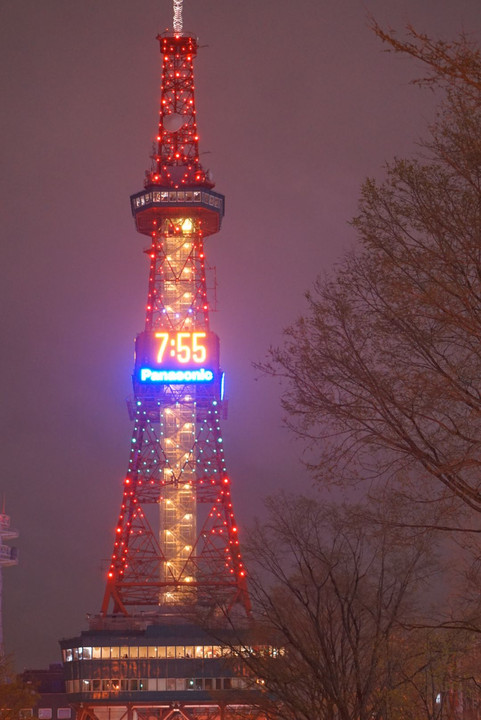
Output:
x=297 y=102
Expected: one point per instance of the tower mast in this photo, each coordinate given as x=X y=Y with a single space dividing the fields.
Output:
x=178 y=23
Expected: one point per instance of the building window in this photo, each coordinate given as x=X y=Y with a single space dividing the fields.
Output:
x=64 y=713
x=166 y=651
x=44 y=713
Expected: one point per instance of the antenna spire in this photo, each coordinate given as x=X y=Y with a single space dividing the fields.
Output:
x=177 y=16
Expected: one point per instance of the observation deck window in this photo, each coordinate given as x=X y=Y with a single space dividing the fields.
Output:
x=116 y=685
x=107 y=652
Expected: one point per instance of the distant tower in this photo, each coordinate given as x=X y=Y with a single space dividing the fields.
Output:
x=176 y=554
x=8 y=557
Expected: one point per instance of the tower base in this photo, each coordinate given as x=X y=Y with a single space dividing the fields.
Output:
x=162 y=667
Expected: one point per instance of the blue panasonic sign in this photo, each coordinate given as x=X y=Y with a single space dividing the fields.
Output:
x=175 y=376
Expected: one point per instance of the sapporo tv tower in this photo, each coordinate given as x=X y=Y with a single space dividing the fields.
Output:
x=176 y=553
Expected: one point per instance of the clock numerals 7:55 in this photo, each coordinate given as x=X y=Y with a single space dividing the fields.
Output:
x=189 y=346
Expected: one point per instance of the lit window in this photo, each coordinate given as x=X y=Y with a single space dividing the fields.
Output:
x=64 y=713
x=44 y=713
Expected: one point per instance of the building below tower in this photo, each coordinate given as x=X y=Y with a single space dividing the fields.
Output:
x=171 y=669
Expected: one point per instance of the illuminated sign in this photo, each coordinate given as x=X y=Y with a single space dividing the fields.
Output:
x=169 y=357
x=175 y=376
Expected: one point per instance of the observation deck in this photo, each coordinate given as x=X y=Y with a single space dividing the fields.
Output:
x=152 y=205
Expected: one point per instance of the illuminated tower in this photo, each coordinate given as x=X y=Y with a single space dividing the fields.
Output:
x=176 y=567
x=176 y=539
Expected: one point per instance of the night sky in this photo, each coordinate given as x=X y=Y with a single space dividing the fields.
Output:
x=297 y=102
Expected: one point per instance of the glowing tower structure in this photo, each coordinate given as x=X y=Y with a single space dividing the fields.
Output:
x=176 y=538
x=176 y=551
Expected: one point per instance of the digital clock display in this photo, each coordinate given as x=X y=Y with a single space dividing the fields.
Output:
x=182 y=356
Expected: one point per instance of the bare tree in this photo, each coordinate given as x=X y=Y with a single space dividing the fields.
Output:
x=335 y=595
x=385 y=367
x=15 y=694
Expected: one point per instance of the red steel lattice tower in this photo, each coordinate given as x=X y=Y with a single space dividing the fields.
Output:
x=176 y=541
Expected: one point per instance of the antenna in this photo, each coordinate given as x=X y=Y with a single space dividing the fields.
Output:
x=177 y=16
